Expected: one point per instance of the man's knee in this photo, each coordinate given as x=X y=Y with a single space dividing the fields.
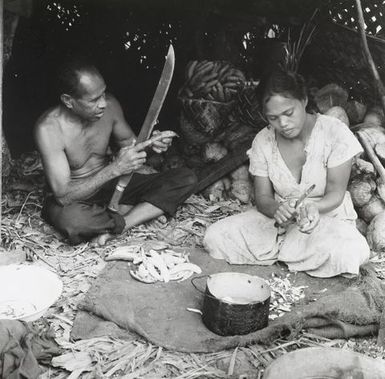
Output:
x=187 y=177
x=80 y=222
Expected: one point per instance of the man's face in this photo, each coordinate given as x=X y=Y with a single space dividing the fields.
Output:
x=91 y=103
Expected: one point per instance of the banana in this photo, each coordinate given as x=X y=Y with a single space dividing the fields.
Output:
x=189 y=93
x=150 y=267
x=160 y=264
x=209 y=85
x=200 y=64
x=223 y=69
x=221 y=94
x=141 y=278
x=186 y=275
x=198 y=75
x=173 y=260
x=239 y=74
x=185 y=267
x=124 y=253
x=233 y=79
x=231 y=84
x=181 y=275
x=190 y=69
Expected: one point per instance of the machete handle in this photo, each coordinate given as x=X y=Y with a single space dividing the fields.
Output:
x=118 y=192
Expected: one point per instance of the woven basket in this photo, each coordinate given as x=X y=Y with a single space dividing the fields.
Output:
x=205 y=116
x=248 y=110
x=189 y=132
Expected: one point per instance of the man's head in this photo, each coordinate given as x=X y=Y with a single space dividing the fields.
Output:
x=82 y=89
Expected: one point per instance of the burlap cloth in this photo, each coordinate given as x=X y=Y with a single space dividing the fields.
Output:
x=117 y=305
x=22 y=347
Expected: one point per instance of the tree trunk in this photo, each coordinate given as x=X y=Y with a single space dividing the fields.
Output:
x=10 y=21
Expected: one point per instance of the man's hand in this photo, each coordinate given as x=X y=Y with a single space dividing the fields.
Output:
x=161 y=141
x=308 y=217
x=131 y=158
x=285 y=212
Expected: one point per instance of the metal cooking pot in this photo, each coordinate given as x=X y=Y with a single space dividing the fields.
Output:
x=234 y=303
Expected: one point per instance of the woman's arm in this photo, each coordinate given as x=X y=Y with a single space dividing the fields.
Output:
x=266 y=203
x=336 y=185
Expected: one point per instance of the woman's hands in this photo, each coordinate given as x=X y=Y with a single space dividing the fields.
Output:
x=286 y=212
x=306 y=215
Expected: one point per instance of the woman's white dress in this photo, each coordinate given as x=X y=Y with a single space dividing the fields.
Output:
x=334 y=247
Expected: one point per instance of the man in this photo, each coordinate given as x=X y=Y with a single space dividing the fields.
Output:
x=74 y=138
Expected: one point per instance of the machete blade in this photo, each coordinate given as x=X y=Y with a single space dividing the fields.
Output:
x=149 y=121
x=159 y=96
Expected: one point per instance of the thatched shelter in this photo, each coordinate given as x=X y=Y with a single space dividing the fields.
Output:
x=128 y=40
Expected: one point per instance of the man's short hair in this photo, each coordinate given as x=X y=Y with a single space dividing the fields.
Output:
x=68 y=75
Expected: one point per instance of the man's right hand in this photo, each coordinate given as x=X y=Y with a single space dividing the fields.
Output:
x=131 y=158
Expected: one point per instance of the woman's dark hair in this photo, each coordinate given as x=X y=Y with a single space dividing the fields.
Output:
x=284 y=83
x=68 y=75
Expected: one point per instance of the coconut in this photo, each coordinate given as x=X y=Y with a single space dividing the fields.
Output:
x=364 y=167
x=329 y=96
x=361 y=190
x=227 y=183
x=241 y=189
x=355 y=111
x=214 y=192
x=213 y=152
x=339 y=113
x=376 y=233
x=374 y=117
x=241 y=173
x=371 y=209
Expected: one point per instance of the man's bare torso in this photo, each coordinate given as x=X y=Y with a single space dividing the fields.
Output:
x=85 y=146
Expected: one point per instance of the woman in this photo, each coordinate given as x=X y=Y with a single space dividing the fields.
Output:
x=297 y=149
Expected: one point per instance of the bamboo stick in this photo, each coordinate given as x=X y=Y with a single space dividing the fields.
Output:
x=371 y=154
x=372 y=65
x=362 y=136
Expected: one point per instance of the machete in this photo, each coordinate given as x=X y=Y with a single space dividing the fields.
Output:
x=149 y=121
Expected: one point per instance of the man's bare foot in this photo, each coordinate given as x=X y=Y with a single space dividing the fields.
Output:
x=101 y=240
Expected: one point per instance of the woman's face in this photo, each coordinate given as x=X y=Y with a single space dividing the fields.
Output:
x=286 y=115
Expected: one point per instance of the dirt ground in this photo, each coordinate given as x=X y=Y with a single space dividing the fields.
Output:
x=23 y=230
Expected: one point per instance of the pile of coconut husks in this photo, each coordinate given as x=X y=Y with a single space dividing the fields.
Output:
x=367 y=180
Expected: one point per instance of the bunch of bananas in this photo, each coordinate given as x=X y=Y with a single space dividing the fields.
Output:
x=155 y=262
x=211 y=80
x=163 y=267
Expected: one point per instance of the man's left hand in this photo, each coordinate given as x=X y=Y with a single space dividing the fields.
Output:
x=162 y=140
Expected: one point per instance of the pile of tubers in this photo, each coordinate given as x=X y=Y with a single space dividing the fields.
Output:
x=236 y=185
